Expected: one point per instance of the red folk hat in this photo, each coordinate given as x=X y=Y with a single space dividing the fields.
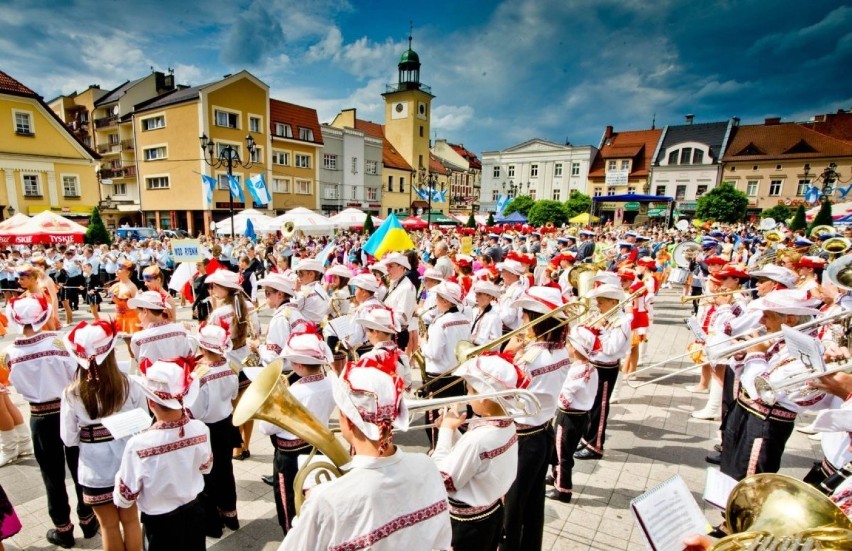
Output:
x=732 y=272
x=814 y=262
x=715 y=260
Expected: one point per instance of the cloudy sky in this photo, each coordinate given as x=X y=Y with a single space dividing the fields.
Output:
x=502 y=72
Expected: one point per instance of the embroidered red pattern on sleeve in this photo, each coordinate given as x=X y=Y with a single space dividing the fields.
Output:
x=395 y=525
x=449 y=485
x=125 y=491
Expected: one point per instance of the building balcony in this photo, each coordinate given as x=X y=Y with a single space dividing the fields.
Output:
x=109 y=148
x=126 y=145
x=116 y=172
x=403 y=86
x=106 y=122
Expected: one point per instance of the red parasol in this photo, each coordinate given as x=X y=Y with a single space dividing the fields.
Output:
x=45 y=227
x=414 y=223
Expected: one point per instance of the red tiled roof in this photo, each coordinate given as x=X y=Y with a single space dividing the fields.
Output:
x=837 y=125
x=782 y=141
x=296 y=116
x=11 y=86
x=469 y=156
x=435 y=165
x=638 y=145
x=391 y=158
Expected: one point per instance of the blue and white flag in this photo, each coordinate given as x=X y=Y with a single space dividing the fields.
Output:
x=257 y=188
x=812 y=195
x=439 y=196
x=236 y=189
x=502 y=201
x=208 y=183
x=843 y=191
x=422 y=193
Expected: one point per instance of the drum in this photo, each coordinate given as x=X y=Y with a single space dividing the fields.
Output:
x=678 y=276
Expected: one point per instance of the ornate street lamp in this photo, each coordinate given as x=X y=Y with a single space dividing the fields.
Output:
x=829 y=177
x=228 y=157
x=512 y=189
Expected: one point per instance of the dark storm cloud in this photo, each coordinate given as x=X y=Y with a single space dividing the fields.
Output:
x=255 y=36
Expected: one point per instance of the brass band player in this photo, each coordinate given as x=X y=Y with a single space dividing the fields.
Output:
x=487 y=324
x=279 y=291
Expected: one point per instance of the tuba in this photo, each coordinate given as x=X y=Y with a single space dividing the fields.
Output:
x=771 y=507
x=268 y=398
x=288 y=230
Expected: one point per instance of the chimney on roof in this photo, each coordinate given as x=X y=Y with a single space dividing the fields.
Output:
x=769 y=121
x=608 y=133
x=736 y=121
x=689 y=118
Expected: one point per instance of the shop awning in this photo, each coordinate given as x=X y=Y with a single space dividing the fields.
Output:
x=627 y=197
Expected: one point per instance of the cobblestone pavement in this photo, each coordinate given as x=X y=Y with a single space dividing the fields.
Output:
x=651 y=437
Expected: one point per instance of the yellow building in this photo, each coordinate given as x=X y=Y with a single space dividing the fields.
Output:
x=293 y=163
x=43 y=165
x=169 y=157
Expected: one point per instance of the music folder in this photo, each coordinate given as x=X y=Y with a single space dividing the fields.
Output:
x=668 y=513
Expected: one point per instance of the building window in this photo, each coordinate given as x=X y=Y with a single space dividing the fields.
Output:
x=700 y=190
x=575 y=169
x=802 y=187
x=303 y=187
x=329 y=162
x=401 y=184
x=610 y=191
x=220 y=147
x=680 y=193
x=598 y=192
x=283 y=130
x=31 y=185
x=331 y=192
x=256 y=155
x=371 y=167
x=557 y=169
x=775 y=188
x=159 y=182
x=254 y=124
x=673 y=157
x=306 y=134
x=280 y=158
x=70 y=187
x=153 y=123
x=372 y=194
x=698 y=157
x=631 y=189
x=625 y=164
x=751 y=188
x=354 y=165
x=556 y=194
x=496 y=172
x=533 y=171
x=303 y=161
x=495 y=194
x=119 y=189
x=222 y=182
x=421 y=130
x=281 y=185
x=390 y=183
x=114 y=139
x=686 y=156
x=612 y=165
x=23 y=123
x=661 y=191
x=155 y=153
x=511 y=171
x=226 y=119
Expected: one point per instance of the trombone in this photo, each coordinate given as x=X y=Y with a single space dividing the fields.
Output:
x=529 y=405
x=684 y=300
x=768 y=391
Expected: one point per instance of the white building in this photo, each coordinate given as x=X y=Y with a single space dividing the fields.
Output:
x=350 y=171
x=538 y=168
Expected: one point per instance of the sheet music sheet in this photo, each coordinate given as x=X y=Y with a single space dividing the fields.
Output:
x=696 y=329
x=717 y=488
x=127 y=423
x=341 y=327
x=805 y=348
x=667 y=514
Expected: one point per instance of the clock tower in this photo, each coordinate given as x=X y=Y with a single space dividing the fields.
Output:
x=408 y=108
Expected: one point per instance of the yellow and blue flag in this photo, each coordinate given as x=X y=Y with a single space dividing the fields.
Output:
x=390 y=236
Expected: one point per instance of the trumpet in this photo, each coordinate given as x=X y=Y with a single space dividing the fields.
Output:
x=768 y=391
x=528 y=404
x=684 y=300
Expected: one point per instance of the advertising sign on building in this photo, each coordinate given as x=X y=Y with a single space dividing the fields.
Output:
x=617 y=177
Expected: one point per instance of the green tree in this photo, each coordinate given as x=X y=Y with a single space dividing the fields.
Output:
x=521 y=203
x=471 y=221
x=799 y=222
x=577 y=203
x=369 y=227
x=490 y=221
x=780 y=213
x=96 y=233
x=823 y=217
x=548 y=211
x=724 y=203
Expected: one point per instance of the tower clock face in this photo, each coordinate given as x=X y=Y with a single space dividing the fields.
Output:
x=399 y=110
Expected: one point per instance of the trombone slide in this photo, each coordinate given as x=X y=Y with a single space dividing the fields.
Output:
x=684 y=300
x=529 y=404
x=768 y=391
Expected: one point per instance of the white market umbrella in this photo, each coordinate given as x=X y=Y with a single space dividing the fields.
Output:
x=260 y=221
x=309 y=222
x=353 y=217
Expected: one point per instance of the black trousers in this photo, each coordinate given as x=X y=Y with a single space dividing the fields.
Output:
x=402 y=339
x=570 y=427
x=52 y=456
x=285 y=465
x=441 y=388
x=729 y=397
x=524 y=518
x=596 y=433
x=220 y=488
x=181 y=529
x=481 y=534
x=696 y=291
x=751 y=445
x=72 y=293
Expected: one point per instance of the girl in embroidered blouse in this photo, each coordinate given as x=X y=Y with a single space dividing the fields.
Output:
x=126 y=318
x=100 y=389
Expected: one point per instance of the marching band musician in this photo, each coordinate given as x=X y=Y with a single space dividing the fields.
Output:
x=487 y=325
x=381 y=327
x=545 y=361
x=339 y=297
x=479 y=466
x=643 y=305
x=810 y=269
x=279 y=291
x=160 y=337
x=614 y=334
x=428 y=308
x=40 y=369
x=212 y=404
x=391 y=499
x=513 y=288
x=402 y=296
x=380 y=273
x=365 y=286
x=449 y=328
x=755 y=433
x=307 y=353
x=488 y=271
x=311 y=299
x=566 y=262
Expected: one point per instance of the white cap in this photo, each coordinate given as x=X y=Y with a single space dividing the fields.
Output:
x=366 y=282
x=487 y=287
x=339 y=270
x=785 y=276
x=610 y=278
x=28 y=310
x=224 y=278
x=150 y=300
x=215 y=338
x=307 y=348
x=432 y=273
x=167 y=381
x=91 y=342
x=380 y=319
x=542 y=300
x=511 y=266
x=397 y=258
x=450 y=291
x=607 y=290
x=279 y=282
x=794 y=302
x=371 y=397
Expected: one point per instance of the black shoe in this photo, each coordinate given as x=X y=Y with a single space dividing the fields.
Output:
x=549 y=480
x=558 y=496
x=587 y=453
x=90 y=529
x=212 y=532
x=268 y=479
x=62 y=539
x=714 y=458
x=232 y=523
x=245 y=454
x=717 y=447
